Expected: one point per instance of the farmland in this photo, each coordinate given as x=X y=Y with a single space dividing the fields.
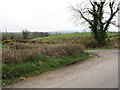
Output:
x=67 y=36
x=64 y=36
x=23 y=60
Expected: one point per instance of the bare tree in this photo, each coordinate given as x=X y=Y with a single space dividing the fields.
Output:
x=97 y=18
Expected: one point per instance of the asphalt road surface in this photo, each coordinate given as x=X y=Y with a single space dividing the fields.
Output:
x=100 y=71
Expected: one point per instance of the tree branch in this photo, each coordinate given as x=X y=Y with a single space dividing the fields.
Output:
x=108 y=22
x=81 y=14
x=85 y=17
x=114 y=23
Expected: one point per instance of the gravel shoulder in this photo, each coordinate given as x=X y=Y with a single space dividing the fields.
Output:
x=100 y=71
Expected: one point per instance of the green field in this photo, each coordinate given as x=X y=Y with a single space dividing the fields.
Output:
x=68 y=36
x=64 y=36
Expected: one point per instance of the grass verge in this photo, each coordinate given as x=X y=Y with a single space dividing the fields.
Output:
x=102 y=48
x=4 y=47
x=16 y=72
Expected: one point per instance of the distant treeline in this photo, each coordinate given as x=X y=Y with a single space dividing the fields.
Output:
x=23 y=35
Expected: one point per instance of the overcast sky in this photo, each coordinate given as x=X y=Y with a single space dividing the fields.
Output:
x=37 y=15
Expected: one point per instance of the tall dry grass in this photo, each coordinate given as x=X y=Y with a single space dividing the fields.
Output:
x=53 y=51
x=114 y=43
x=58 y=50
x=9 y=56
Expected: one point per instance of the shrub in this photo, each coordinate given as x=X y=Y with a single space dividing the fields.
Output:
x=22 y=46
x=22 y=41
x=15 y=56
x=54 y=51
x=32 y=41
x=7 y=41
x=114 y=43
x=58 y=50
x=91 y=44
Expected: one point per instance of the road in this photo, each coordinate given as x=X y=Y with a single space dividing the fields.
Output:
x=100 y=71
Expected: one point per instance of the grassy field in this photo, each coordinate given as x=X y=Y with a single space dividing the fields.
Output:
x=84 y=39
x=63 y=36
x=68 y=36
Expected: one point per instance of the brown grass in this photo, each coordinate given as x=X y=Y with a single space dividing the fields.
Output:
x=114 y=43
x=53 y=51
x=19 y=55
x=58 y=50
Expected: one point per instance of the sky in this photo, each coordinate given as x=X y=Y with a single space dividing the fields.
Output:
x=37 y=15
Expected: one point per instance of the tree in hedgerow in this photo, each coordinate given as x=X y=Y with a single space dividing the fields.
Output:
x=99 y=14
x=25 y=33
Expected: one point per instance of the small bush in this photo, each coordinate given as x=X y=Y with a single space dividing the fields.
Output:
x=7 y=41
x=91 y=44
x=114 y=43
x=22 y=41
